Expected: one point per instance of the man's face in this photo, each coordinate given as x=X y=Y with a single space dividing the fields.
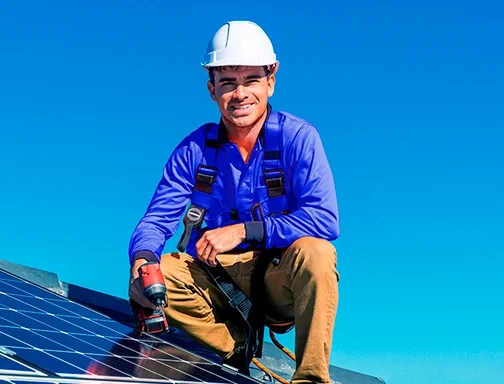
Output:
x=242 y=94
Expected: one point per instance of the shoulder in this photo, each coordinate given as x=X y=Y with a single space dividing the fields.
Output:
x=189 y=152
x=295 y=128
x=195 y=140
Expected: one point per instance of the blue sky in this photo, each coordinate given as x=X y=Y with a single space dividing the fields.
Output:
x=407 y=98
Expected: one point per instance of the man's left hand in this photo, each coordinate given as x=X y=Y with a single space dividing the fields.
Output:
x=219 y=240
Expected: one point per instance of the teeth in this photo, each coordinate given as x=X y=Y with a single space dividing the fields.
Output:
x=242 y=106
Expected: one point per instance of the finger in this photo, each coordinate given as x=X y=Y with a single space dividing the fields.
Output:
x=201 y=245
x=137 y=295
x=206 y=253
x=135 y=266
x=212 y=257
x=201 y=253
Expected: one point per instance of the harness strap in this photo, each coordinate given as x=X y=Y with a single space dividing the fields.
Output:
x=246 y=310
x=201 y=201
x=251 y=310
x=273 y=173
x=272 y=167
x=258 y=292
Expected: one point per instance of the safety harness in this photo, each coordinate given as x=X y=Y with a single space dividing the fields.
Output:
x=273 y=201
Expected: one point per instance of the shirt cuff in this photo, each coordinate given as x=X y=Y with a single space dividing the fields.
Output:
x=145 y=255
x=254 y=231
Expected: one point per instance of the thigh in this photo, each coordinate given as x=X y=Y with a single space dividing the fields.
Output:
x=239 y=267
x=278 y=300
x=185 y=276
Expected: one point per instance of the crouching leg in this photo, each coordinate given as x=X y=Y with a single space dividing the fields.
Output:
x=197 y=306
x=304 y=286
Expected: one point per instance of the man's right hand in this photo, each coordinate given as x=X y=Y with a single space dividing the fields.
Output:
x=135 y=286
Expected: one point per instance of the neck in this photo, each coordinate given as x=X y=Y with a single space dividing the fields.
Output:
x=244 y=135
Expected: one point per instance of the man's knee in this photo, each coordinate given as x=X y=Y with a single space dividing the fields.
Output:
x=313 y=249
x=315 y=254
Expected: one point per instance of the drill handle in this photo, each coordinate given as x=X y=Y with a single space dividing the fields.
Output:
x=153 y=283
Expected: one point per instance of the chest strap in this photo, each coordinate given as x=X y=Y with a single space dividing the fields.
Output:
x=206 y=174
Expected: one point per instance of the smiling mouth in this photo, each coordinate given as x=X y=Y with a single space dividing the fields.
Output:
x=241 y=107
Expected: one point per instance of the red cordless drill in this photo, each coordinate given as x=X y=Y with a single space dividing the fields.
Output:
x=152 y=320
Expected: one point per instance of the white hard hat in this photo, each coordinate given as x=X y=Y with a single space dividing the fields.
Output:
x=239 y=43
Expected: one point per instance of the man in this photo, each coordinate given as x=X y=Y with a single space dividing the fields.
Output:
x=262 y=180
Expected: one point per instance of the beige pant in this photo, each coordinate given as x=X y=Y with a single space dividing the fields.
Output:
x=304 y=286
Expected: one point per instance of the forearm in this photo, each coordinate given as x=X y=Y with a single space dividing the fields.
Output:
x=282 y=231
x=167 y=205
x=147 y=242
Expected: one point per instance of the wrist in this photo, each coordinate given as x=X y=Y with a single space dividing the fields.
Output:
x=243 y=231
x=137 y=263
x=145 y=256
x=140 y=261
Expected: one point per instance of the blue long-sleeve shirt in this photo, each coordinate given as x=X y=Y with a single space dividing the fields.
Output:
x=311 y=193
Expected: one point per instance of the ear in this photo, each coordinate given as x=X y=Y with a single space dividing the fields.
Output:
x=272 y=79
x=211 y=90
x=274 y=68
x=271 y=85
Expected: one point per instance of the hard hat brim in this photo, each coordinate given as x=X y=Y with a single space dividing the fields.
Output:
x=231 y=63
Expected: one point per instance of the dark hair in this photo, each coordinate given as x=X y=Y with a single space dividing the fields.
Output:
x=212 y=70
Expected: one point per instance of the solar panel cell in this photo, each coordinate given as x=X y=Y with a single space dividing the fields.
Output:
x=77 y=309
x=37 y=339
x=164 y=351
x=74 y=343
x=7 y=287
x=16 y=302
x=19 y=287
x=8 y=341
x=45 y=306
x=100 y=328
x=46 y=360
x=58 y=323
x=90 y=364
x=114 y=325
x=5 y=323
x=106 y=365
x=19 y=319
x=114 y=346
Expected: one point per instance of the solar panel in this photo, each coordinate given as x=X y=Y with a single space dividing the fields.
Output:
x=48 y=338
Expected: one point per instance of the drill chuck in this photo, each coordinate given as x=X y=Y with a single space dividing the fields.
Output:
x=155 y=293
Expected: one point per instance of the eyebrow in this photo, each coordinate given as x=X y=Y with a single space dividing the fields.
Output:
x=250 y=77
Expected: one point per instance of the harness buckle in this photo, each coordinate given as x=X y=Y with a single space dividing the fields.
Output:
x=257 y=212
x=205 y=177
x=274 y=180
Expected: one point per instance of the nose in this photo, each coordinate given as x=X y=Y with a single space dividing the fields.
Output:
x=239 y=92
